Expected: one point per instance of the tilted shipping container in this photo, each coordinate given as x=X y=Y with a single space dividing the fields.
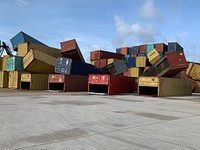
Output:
x=193 y=71
x=153 y=56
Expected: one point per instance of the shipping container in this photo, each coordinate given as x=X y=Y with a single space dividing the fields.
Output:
x=22 y=37
x=4 y=62
x=193 y=71
x=131 y=62
x=117 y=68
x=70 y=66
x=197 y=87
x=67 y=83
x=126 y=57
x=31 y=81
x=38 y=62
x=143 y=49
x=136 y=72
x=153 y=56
x=15 y=63
x=110 y=84
x=100 y=63
x=150 y=71
x=161 y=47
x=160 y=86
x=127 y=73
x=149 y=48
x=92 y=55
x=14 y=79
x=3 y=79
x=112 y=60
x=100 y=54
x=70 y=49
x=124 y=51
x=174 y=47
x=161 y=54
x=24 y=48
x=134 y=50
x=145 y=55
x=1 y=64
x=92 y=62
x=118 y=50
x=141 y=61
x=134 y=55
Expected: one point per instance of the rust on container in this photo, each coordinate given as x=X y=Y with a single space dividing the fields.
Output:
x=100 y=54
x=70 y=49
x=143 y=49
x=161 y=47
x=110 y=84
x=67 y=83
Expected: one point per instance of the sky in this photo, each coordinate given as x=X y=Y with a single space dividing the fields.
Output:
x=104 y=24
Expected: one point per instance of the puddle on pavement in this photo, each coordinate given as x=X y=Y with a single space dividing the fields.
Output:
x=77 y=103
x=56 y=136
x=157 y=116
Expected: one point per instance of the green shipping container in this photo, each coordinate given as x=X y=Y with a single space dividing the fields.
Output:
x=126 y=57
x=15 y=63
x=149 y=47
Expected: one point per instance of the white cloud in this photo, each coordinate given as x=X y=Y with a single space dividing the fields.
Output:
x=141 y=33
x=22 y=2
x=149 y=12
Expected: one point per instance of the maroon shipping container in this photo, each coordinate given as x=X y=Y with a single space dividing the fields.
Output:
x=100 y=63
x=70 y=49
x=143 y=49
x=99 y=54
x=171 y=64
x=67 y=83
x=92 y=55
x=110 y=84
x=161 y=47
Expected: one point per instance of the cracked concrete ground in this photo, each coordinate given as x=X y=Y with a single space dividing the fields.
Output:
x=35 y=120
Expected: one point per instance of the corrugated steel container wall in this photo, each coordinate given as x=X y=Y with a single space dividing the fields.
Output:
x=92 y=55
x=34 y=81
x=99 y=54
x=135 y=72
x=161 y=54
x=24 y=48
x=161 y=47
x=197 y=87
x=117 y=67
x=141 y=61
x=3 y=79
x=131 y=62
x=100 y=63
x=153 y=56
x=14 y=79
x=15 y=63
x=110 y=84
x=38 y=62
x=67 y=83
x=134 y=50
x=118 y=50
x=164 y=86
x=112 y=60
x=143 y=49
x=4 y=62
x=124 y=51
x=70 y=49
x=126 y=57
x=97 y=63
x=149 y=47
x=193 y=71
x=174 y=47
x=127 y=73
x=150 y=71
x=22 y=37
x=69 y=66
x=1 y=64
x=145 y=55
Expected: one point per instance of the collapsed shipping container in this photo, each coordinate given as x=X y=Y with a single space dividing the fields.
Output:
x=100 y=54
x=22 y=37
x=193 y=71
x=3 y=79
x=110 y=84
x=160 y=86
x=70 y=66
x=67 y=83
x=70 y=49
x=153 y=56
x=38 y=62
x=15 y=63
x=34 y=81
x=24 y=48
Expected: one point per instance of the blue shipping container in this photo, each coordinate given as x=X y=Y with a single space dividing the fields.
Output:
x=118 y=50
x=15 y=63
x=142 y=55
x=161 y=54
x=134 y=50
x=70 y=66
x=131 y=62
x=22 y=37
x=174 y=46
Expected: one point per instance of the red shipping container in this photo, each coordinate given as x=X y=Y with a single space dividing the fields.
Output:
x=70 y=49
x=100 y=63
x=100 y=54
x=97 y=63
x=67 y=83
x=92 y=55
x=143 y=49
x=124 y=51
x=111 y=84
x=161 y=47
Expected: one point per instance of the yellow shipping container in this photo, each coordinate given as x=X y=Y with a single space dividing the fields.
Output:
x=153 y=56
x=4 y=62
x=34 y=81
x=141 y=61
x=24 y=48
x=3 y=79
x=14 y=79
x=111 y=60
x=193 y=71
x=92 y=62
x=135 y=72
x=156 y=86
x=1 y=59
x=38 y=62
